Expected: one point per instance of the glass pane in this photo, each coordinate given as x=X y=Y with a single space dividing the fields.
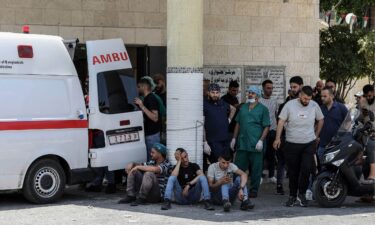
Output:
x=117 y=90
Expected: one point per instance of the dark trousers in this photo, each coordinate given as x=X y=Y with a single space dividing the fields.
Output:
x=300 y=161
x=270 y=155
x=217 y=149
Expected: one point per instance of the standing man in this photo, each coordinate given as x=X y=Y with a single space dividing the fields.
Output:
x=225 y=187
x=187 y=183
x=146 y=182
x=332 y=84
x=334 y=114
x=368 y=105
x=151 y=114
x=231 y=96
x=253 y=121
x=160 y=89
x=217 y=116
x=296 y=84
x=272 y=107
x=317 y=92
x=299 y=116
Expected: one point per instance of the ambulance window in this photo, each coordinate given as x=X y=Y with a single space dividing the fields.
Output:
x=116 y=90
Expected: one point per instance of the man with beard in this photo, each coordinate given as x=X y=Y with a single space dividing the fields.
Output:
x=217 y=116
x=231 y=96
x=332 y=84
x=334 y=114
x=295 y=84
x=160 y=89
x=317 y=92
x=151 y=114
x=253 y=121
x=299 y=116
x=367 y=105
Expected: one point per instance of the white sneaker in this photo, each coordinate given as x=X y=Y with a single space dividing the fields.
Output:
x=272 y=180
x=309 y=195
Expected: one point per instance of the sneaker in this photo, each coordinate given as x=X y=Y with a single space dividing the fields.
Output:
x=302 y=200
x=309 y=195
x=226 y=205
x=280 y=189
x=166 y=205
x=207 y=205
x=292 y=201
x=253 y=195
x=110 y=189
x=246 y=204
x=94 y=188
x=272 y=180
x=127 y=200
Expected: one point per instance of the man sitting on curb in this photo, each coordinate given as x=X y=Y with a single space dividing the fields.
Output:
x=146 y=183
x=187 y=182
x=224 y=188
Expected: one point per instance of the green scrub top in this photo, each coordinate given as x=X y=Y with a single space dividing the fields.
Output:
x=252 y=123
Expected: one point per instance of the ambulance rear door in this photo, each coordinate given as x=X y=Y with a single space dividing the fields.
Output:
x=115 y=123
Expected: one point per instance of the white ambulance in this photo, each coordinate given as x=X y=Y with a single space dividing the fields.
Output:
x=49 y=137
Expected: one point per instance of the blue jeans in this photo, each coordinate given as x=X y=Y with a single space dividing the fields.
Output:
x=320 y=153
x=150 y=141
x=228 y=192
x=194 y=192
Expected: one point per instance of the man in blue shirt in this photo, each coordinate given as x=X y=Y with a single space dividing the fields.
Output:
x=334 y=114
x=217 y=116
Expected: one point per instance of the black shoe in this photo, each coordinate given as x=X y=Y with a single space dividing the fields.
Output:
x=246 y=204
x=280 y=189
x=127 y=200
x=253 y=195
x=302 y=200
x=110 y=189
x=207 y=205
x=166 y=205
x=94 y=188
x=292 y=201
x=139 y=201
x=226 y=205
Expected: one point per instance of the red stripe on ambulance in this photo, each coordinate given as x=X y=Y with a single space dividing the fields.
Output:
x=43 y=125
x=112 y=57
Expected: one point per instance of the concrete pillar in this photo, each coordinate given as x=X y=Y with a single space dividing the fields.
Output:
x=185 y=78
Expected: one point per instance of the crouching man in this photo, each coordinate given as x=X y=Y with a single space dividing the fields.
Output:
x=186 y=183
x=146 y=182
x=224 y=188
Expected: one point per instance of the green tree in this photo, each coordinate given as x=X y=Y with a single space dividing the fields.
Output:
x=341 y=59
x=367 y=47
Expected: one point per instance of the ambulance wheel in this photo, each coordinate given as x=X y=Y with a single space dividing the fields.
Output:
x=44 y=182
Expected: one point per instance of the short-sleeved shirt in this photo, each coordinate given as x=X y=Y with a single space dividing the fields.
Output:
x=300 y=121
x=252 y=123
x=187 y=174
x=165 y=171
x=152 y=104
x=272 y=106
x=216 y=173
x=332 y=121
x=216 y=121
x=230 y=99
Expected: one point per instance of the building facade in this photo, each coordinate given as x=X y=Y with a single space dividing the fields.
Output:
x=236 y=32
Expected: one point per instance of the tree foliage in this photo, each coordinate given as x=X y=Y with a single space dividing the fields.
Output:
x=367 y=47
x=358 y=7
x=341 y=58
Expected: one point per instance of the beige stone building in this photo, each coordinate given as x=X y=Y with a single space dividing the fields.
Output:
x=236 y=32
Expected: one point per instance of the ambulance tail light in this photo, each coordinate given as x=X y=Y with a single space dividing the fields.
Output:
x=25 y=51
x=96 y=139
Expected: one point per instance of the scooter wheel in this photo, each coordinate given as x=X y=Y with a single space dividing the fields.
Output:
x=325 y=194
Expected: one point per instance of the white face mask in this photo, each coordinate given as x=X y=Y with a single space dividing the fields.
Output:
x=250 y=100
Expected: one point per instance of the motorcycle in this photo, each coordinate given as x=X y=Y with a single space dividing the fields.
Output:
x=344 y=156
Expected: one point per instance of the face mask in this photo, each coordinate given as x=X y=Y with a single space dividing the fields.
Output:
x=250 y=100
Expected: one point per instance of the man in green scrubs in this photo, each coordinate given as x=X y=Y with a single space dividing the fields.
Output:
x=251 y=130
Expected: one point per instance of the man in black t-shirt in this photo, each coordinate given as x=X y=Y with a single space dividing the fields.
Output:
x=187 y=182
x=151 y=114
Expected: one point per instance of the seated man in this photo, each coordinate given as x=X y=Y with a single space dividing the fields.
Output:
x=146 y=183
x=224 y=188
x=187 y=182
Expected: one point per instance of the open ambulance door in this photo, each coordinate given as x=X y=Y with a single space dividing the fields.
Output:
x=114 y=120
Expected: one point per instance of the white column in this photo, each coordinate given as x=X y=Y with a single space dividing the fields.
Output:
x=185 y=78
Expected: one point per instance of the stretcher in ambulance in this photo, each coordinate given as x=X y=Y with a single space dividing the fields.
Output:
x=49 y=137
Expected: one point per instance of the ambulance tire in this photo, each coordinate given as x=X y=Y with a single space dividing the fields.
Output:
x=44 y=182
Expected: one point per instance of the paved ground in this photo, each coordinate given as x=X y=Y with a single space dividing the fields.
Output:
x=78 y=207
